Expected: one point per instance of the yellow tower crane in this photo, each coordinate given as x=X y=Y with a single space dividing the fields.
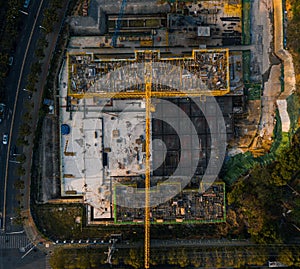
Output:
x=148 y=85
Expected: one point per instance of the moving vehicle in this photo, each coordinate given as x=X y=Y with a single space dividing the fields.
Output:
x=26 y=3
x=5 y=139
x=10 y=60
x=2 y=109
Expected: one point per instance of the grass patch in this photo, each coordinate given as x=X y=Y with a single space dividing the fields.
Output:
x=293 y=39
x=284 y=143
x=241 y=163
x=246 y=65
x=237 y=166
x=136 y=23
x=59 y=221
x=253 y=91
x=293 y=107
x=152 y=23
x=246 y=24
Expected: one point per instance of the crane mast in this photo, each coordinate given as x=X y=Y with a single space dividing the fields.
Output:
x=118 y=26
x=148 y=85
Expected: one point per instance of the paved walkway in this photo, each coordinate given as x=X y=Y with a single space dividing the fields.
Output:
x=47 y=264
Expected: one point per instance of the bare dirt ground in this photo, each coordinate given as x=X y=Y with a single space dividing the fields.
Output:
x=260 y=116
x=248 y=127
x=272 y=90
x=267 y=37
x=263 y=37
x=261 y=29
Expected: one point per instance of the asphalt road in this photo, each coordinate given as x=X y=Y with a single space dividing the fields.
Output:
x=15 y=96
x=10 y=96
x=11 y=259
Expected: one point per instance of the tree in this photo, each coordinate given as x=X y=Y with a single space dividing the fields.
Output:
x=21 y=158
x=183 y=260
x=285 y=256
x=3 y=64
x=25 y=129
x=27 y=117
x=39 y=52
x=18 y=220
x=43 y=42
x=20 y=141
x=57 y=4
x=83 y=261
x=29 y=105
x=172 y=257
x=30 y=86
x=50 y=17
x=135 y=258
x=19 y=184
x=57 y=260
x=32 y=78
x=36 y=68
x=295 y=214
x=21 y=171
x=288 y=163
x=19 y=197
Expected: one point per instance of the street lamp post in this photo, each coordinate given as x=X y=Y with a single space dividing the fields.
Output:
x=42 y=27
x=13 y=161
x=30 y=93
x=24 y=12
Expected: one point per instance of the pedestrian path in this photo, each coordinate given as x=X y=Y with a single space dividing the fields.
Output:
x=13 y=241
x=47 y=264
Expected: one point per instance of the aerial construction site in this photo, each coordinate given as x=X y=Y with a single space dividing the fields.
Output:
x=128 y=64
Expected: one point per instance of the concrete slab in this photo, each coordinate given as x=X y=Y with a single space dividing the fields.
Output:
x=284 y=115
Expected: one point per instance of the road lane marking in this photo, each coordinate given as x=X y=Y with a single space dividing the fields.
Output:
x=13 y=116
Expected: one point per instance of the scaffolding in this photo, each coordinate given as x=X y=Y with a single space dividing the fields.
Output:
x=205 y=72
